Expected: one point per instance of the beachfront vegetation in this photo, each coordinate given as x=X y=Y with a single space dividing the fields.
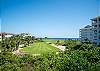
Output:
x=14 y=42
x=76 y=57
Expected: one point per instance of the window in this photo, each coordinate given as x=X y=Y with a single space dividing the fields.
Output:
x=95 y=25
x=90 y=34
x=95 y=31
x=99 y=37
x=95 y=36
x=95 y=43
x=94 y=21
x=99 y=25
x=99 y=19
x=99 y=45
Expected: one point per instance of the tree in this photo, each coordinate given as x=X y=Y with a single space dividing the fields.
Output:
x=46 y=37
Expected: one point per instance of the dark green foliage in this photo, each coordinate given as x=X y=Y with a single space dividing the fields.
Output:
x=12 y=43
x=11 y=62
x=7 y=61
x=78 y=57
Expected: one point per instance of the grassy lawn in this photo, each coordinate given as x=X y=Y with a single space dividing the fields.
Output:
x=40 y=48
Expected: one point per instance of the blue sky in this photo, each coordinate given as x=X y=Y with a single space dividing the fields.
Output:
x=51 y=18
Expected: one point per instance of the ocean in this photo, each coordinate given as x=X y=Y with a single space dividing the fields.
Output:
x=63 y=38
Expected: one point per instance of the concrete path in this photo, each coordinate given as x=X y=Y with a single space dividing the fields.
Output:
x=58 y=46
x=18 y=52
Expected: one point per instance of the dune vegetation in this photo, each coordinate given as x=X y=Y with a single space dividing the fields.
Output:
x=76 y=57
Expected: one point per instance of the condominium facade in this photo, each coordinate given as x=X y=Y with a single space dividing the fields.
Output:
x=91 y=32
x=86 y=33
x=96 y=30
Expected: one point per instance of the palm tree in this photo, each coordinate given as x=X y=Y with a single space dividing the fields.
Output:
x=28 y=39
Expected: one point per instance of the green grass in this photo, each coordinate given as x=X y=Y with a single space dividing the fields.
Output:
x=40 y=48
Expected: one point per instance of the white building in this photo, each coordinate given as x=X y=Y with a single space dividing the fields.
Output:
x=6 y=35
x=92 y=33
x=86 y=33
x=9 y=35
x=96 y=30
x=26 y=34
x=0 y=37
